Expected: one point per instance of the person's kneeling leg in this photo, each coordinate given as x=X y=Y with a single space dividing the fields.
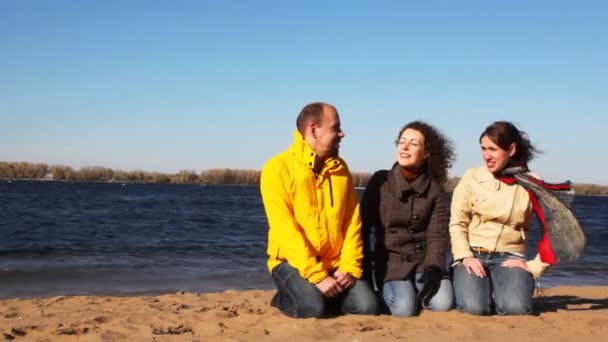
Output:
x=513 y=290
x=473 y=294
x=401 y=297
x=443 y=300
x=361 y=299
x=297 y=297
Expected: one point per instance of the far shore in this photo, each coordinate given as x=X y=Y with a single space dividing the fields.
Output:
x=226 y=176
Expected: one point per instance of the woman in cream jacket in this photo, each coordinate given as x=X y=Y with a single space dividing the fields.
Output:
x=489 y=222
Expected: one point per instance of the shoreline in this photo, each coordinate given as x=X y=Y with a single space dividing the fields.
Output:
x=128 y=281
x=33 y=292
x=566 y=313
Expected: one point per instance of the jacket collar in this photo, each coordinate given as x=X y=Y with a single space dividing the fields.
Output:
x=304 y=153
x=486 y=178
x=401 y=185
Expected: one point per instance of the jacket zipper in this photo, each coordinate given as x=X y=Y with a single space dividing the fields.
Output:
x=331 y=192
x=502 y=228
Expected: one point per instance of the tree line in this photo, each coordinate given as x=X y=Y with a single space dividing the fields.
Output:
x=41 y=171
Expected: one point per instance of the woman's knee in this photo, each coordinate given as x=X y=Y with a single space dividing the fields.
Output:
x=472 y=294
x=474 y=305
x=401 y=304
x=475 y=308
x=514 y=308
x=402 y=308
x=441 y=306
x=401 y=298
x=444 y=299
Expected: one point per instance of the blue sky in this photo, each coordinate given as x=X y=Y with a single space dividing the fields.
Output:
x=171 y=85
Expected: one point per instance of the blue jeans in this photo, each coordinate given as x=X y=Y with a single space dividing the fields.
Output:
x=401 y=296
x=509 y=290
x=297 y=297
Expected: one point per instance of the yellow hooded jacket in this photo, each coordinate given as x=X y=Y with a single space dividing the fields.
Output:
x=314 y=221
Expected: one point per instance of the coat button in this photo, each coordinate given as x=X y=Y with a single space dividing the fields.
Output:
x=411 y=231
x=416 y=217
x=418 y=246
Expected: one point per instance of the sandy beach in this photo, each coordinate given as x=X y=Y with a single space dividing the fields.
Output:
x=564 y=314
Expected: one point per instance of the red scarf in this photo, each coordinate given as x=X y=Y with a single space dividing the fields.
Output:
x=547 y=255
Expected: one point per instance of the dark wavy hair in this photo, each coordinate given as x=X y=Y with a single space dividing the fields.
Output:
x=440 y=148
x=503 y=134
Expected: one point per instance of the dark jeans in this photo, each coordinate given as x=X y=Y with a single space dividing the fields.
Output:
x=509 y=290
x=296 y=297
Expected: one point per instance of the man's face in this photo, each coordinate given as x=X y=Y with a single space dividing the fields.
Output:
x=328 y=134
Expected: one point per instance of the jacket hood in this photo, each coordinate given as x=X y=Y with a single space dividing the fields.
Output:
x=304 y=154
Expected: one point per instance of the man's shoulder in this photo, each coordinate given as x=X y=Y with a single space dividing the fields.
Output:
x=277 y=160
x=341 y=163
x=281 y=165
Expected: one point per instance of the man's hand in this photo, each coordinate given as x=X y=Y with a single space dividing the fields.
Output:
x=344 y=279
x=329 y=287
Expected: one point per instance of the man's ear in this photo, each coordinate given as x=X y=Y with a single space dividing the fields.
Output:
x=312 y=128
x=512 y=149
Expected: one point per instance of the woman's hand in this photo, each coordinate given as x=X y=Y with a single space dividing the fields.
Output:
x=515 y=263
x=473 y=264
x=431 y=280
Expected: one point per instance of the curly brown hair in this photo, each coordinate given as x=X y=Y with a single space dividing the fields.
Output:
x=440 y=148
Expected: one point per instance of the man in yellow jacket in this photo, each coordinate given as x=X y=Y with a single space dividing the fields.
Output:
x=314 y=240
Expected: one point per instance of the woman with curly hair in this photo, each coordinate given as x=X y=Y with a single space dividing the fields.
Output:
x=405 y=224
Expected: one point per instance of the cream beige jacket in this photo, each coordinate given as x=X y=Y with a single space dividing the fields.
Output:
x=490 y=214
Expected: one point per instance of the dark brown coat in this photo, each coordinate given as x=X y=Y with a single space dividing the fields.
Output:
x=405 y=225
